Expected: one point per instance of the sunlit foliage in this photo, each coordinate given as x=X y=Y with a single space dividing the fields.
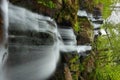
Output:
x=108 y=53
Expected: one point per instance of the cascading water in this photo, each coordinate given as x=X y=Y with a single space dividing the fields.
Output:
x=114 y=18
x=4 y=34
x=34 y=45
x=4 y=26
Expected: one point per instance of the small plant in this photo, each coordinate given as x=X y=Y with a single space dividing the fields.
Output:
x=76 y=27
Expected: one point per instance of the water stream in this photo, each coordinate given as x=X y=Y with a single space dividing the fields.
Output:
x=115 y=15
x=3 y=47
x=34 y=45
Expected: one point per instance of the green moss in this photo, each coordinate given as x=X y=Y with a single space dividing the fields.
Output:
x=75 y=77
x=84 y=22
x=74 y=66
x=85 y=31
x=68 y=13
x=107 y=59
x=47 y=3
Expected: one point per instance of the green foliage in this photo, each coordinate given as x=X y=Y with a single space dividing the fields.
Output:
x=47 y=3
x=108 y=72
x=105 y=6
x=74 y=66
x=87 y=67
x=75 y=77
x=108 y=57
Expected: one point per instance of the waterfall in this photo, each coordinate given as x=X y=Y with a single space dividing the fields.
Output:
x=4 y=15
x=114 y=18
x=4 y=34
x=34 y=44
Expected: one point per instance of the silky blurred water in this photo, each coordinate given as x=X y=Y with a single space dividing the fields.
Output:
x=34 y=45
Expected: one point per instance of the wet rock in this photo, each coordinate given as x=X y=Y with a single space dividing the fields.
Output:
x=25 y=3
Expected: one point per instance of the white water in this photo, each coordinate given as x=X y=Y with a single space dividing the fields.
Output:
x=31 y=56
x=34 y=45
x=115 y=15
x=89 y=16
x=83 y=48
x=4 y=12
x=4 y=9
x=82 y=13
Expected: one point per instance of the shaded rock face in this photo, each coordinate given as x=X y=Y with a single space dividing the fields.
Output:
x=25 y=3
x=68 y=13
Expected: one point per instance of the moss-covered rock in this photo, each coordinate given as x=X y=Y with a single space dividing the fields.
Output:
x=72 y=60
x=85 y=34
x=68 y=13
